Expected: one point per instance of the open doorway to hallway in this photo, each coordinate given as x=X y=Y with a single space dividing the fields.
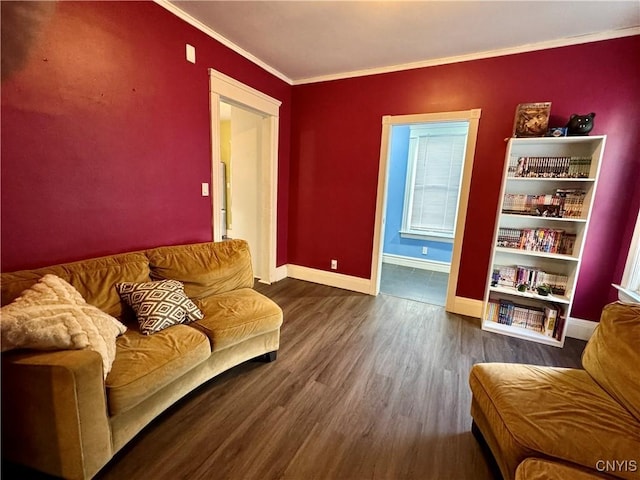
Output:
x=423 y=190
x=240 y=155
x=425 y=200
x=263 y=172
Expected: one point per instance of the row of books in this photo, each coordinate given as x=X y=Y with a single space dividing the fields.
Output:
x=547 y=240
x=548 y=320
x=572 y=202
x=549 y=167
x=564 y=203
x=515 y=275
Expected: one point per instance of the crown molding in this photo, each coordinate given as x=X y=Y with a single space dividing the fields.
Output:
x=529 y=47
x=223 y=40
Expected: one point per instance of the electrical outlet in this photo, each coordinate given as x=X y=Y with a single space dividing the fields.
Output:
x=425 y=250
x=334 y=264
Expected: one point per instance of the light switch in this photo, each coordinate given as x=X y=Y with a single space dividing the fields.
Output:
x=191 y=53
x=205 y=189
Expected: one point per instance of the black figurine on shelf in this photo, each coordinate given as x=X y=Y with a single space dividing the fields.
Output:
x=580 y=124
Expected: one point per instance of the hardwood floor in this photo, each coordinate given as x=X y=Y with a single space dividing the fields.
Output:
x=363 y=387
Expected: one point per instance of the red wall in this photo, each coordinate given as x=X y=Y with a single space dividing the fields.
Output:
x=105 y=141
x=335 y=152
x=105 y=130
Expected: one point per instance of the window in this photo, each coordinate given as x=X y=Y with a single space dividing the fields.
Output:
x=629 y=290
x=434 y=174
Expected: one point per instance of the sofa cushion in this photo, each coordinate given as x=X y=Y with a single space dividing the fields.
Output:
x=231 y=317
x=557 y=412
x=93 y=278
x=204 y=268
x=612 y=349
x=538 y=469
x=158 y=305
x=146 y=363
x=52 y=315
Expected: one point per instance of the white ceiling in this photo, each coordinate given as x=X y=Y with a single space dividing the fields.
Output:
x=303 y=41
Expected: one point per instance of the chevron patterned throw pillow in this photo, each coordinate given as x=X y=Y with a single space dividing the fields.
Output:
x=158 y=305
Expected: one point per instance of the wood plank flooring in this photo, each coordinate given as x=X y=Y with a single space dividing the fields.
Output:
x=363 y=388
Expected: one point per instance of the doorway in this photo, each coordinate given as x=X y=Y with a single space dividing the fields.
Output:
x=245 y=188
x=415 y=234
x=240 y=173
x=423 y=186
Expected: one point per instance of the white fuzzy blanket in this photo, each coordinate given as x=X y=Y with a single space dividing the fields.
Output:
x=52 y=315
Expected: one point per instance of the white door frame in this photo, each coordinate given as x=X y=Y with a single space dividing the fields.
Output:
x=223 y=87
x=473 y=117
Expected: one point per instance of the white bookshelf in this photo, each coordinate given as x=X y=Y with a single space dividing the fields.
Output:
x=551 y=262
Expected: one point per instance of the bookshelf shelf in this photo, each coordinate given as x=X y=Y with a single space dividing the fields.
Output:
x=519 y=332
x=529 y=295
x=545 y=219
x=540 y=176
x=543 y=180
x=531 y=253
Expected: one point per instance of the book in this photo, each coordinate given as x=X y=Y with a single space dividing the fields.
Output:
x=531 y=277
x=532 y=119
x=557 y=331
x=550 y=316
x=492 y=311
x=505 y=312
x=535 y=319
x=548 y=240
x=520 y=315
x=549 y=167
x=507 y=276
x=572 y=202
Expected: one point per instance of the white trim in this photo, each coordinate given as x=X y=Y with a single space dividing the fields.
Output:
x=466 y=306
x=432 y=237
x=237 y=92
x=224 y=87
x=223 y=40
x=331 y=279
x=576 y=327
x=281 y=273
x=421 y=264
x=580 y=329
x=626 y=295
x=629 y=288
x=269 y=185
x=431 y=117
x=529 y=47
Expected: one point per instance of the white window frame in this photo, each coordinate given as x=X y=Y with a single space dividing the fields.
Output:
x=629 y=288
x=407 y=229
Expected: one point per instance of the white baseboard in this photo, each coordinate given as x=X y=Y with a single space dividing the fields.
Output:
x=281 y=273
x=576 y=327
x=580 y=329
x=416 y=263
x=332 y=279
x=465 y=306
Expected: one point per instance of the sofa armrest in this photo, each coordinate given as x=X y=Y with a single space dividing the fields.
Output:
x=54 y=412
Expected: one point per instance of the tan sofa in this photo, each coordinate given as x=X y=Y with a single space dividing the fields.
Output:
x=547 y=422
x=60 y=416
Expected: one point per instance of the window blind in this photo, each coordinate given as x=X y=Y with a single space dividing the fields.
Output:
x=436 y=160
